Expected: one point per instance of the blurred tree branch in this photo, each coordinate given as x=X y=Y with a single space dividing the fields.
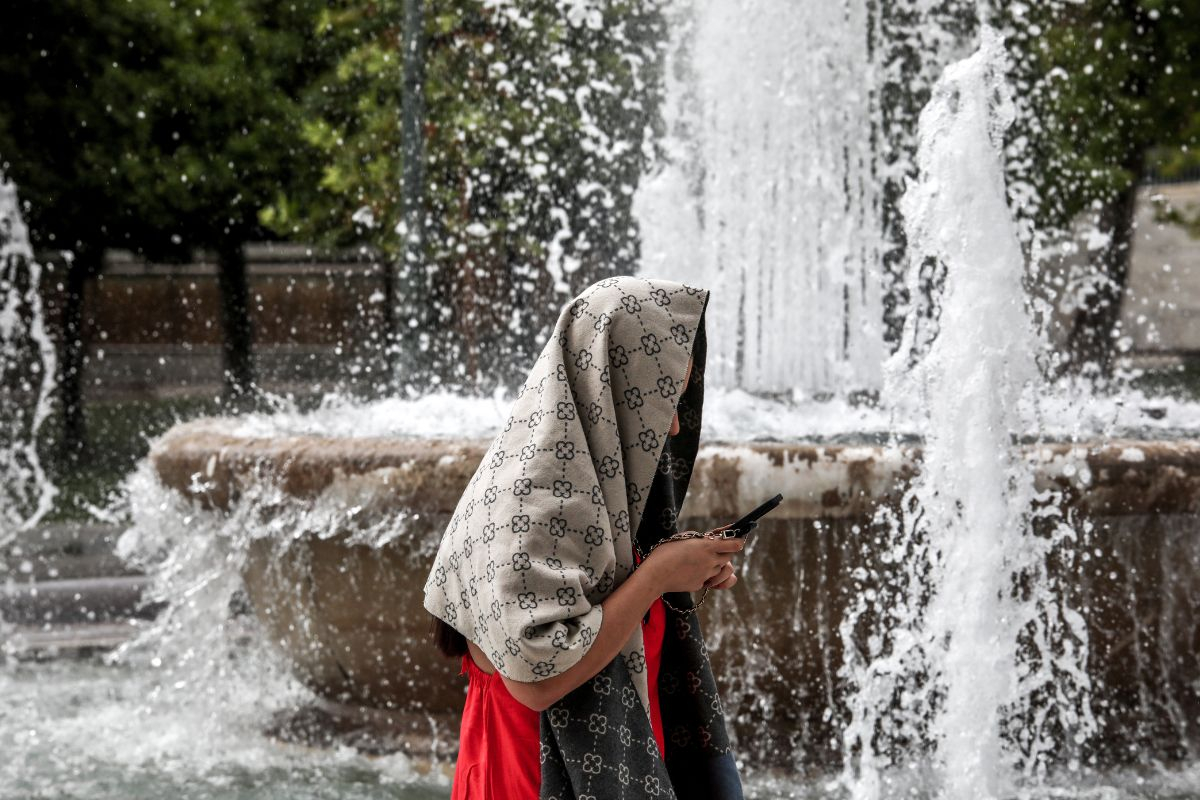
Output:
x=1110 y=88
x=155 y=126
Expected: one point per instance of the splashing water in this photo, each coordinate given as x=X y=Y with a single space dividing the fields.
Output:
x=947 y=647
x=27 y=364
x=181 y=708
x=758 y=204
x=771 y=197
x=787 y=128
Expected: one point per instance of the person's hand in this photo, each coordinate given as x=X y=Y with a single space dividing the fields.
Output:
x=691 y=565
x=725 y=579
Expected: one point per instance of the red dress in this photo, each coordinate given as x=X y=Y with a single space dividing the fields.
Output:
x=499 y=739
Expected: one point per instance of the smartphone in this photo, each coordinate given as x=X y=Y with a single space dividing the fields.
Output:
x=748 y=523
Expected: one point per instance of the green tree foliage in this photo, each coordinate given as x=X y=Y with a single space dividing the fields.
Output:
x=911 y=40
x=1111 y=89
x=539 y=122
x=156 y=125
x=1113 y=79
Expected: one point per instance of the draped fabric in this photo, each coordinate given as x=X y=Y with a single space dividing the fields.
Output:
x=545 y=531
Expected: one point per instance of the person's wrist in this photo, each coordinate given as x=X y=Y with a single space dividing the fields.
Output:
x=651 y=575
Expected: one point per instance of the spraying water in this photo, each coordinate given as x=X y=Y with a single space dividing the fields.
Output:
x=766 y=197
x=788 y=126
x=772 y=198
x=943 y=649
x=27 y=365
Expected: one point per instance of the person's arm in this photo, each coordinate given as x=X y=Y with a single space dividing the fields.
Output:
x=676 y=566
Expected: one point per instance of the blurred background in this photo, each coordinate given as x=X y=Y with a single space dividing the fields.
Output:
x=219 y=193
x=238 y=198
x=369 y=213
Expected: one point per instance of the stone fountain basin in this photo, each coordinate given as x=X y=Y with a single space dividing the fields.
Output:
x=349 y=615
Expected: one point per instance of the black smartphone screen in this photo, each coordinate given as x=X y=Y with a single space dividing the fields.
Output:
x=747 y=523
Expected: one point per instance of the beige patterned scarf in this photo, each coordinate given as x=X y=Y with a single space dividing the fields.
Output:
x=544 y=533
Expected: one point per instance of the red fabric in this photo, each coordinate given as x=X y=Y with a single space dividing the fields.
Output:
x=498 y=742
x=652 y=635
x=499 y=737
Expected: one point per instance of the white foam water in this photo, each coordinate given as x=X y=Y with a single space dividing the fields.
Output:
x=956 y=640
x=184 y=706
x=787 y=125
x=27 y=374
x=767 y=194
x=730 y=415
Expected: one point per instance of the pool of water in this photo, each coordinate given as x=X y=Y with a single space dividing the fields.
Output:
x=86 y=729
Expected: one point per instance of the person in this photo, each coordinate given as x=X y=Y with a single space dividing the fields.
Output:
x=562 y=582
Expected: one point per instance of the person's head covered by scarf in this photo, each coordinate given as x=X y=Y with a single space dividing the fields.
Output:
x=588 y=461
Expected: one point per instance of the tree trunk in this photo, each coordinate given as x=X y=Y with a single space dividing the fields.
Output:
x=237 y=335
x=73 y=440
x=1092 y=342
x=391 y=321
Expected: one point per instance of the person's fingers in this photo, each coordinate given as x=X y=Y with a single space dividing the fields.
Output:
x=725 y=546
x=720 y=575
x=727 y=583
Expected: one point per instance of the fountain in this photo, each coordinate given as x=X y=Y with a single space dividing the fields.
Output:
x=973 y=588
x=949 y=637
x=906 y=571
x=27 y=365
x=751 y=201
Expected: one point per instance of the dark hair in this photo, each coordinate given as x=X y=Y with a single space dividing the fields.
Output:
x=448 y=641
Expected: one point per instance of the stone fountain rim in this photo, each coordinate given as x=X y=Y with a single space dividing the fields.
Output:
x=1115 y=476
x=212 y=426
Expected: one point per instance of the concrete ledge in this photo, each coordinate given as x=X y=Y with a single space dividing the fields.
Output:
x=349 y=616
x=61 y=551
x=76 y=600
x=34 y=643
x=1120 y=476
